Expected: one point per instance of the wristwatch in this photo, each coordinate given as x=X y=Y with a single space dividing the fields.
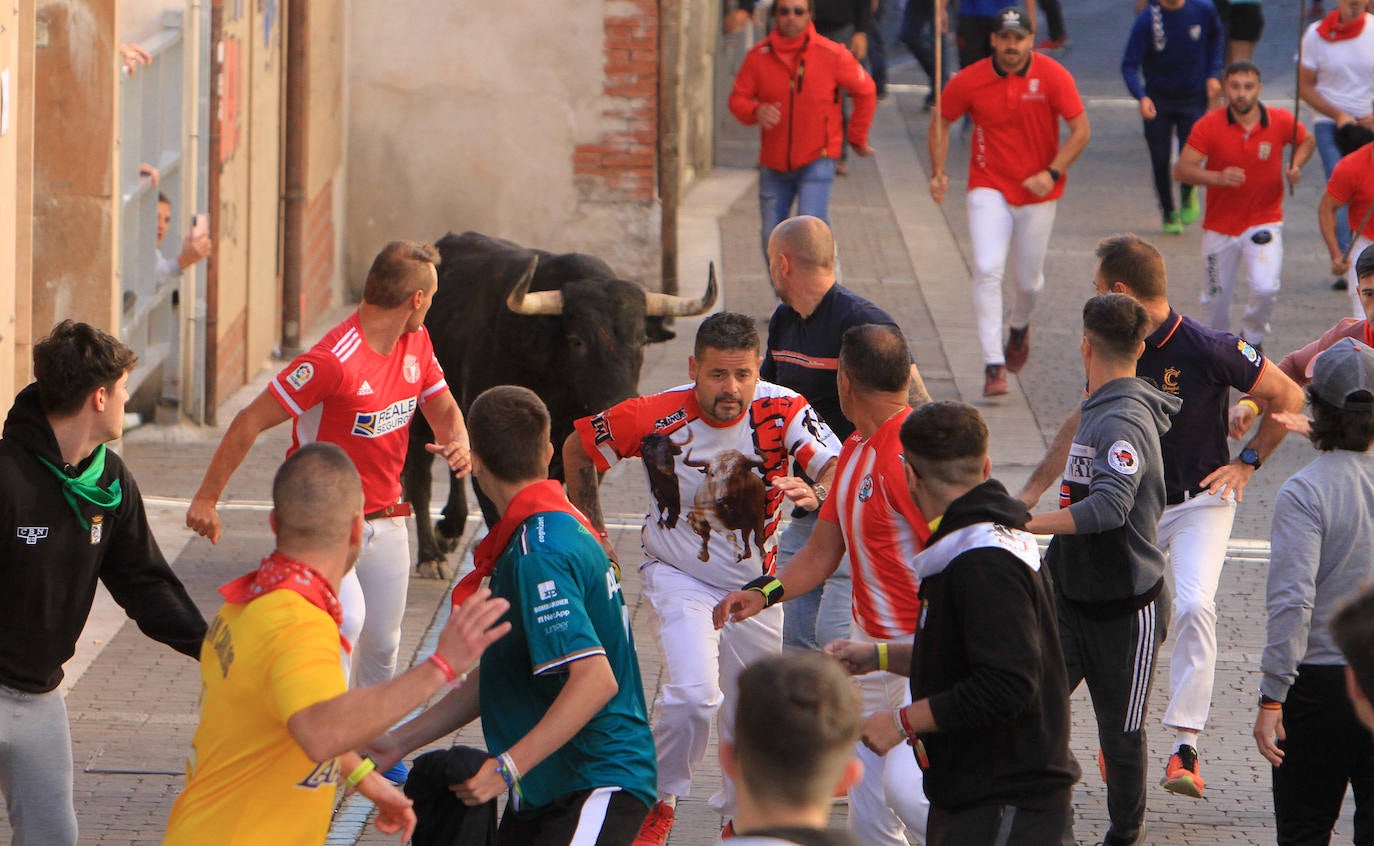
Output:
x=1249 y=456
x=821 y=492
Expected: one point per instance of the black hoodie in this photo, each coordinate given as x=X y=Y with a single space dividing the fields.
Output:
x=50 y=562
x=987 y=656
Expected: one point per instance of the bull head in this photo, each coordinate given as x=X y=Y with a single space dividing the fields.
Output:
x=523 y=301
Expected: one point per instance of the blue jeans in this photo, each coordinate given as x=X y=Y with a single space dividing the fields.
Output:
x=809 y=185
x=813 y=619
x=1325 y=133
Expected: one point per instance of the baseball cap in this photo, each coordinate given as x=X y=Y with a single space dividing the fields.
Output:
x=1013 y=18
x=1364 y=265
x=1343 y=376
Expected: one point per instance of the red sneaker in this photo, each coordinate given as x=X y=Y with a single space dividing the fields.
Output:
x=1017 y=349
x=994 y=380
x=1181 y=774
x=654 y=831
x=728 y=831
x=1054 y=45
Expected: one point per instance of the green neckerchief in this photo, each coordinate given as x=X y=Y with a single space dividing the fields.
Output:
x=85 y=486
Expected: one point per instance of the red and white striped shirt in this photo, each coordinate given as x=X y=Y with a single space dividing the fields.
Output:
x=710 y=482
x=883 y=531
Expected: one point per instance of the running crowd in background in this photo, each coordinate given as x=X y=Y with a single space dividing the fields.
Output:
x=810 y=512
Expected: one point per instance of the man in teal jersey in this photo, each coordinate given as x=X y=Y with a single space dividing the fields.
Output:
x=561 y=700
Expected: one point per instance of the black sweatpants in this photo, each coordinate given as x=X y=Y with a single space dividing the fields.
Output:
x=998 y=825
x=1173 y=119
x=1116 y=657
x=1326 y=748
x=603 y=817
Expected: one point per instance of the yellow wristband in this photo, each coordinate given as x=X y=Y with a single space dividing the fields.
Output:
x=359 y=773
x=882 y=657
x=1254 y=405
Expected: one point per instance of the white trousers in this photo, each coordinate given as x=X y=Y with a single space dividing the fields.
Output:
x=998 y=231
x=1194 y=535
x=888 y=807
x=373 y=596
x=1222 y=255
x=703 y=667
x=1353 y=281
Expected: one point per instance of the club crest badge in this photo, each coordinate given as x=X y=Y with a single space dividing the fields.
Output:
x=411 y=369
x=1265 y=148
x=1195 y=32
x=866 y=488
x=97 y=528
x=1123 y=458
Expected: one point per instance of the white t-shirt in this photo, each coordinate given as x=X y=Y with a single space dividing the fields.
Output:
x=1345 y=69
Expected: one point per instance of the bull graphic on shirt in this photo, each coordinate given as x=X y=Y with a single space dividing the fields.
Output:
x=730 y=499
x=660 y=453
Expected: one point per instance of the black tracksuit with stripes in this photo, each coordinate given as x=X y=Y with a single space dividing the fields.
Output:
x=1112 y=602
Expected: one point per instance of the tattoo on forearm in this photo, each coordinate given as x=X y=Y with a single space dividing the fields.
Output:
x=586 y=494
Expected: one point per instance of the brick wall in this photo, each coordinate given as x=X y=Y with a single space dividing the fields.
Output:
x=620 y=165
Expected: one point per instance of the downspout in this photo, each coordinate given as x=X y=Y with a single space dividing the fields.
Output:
x=669 y=137
x=190 y=182
x=293 y=180
x=212 y=192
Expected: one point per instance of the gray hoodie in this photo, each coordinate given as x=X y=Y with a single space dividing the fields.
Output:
x=1114 y=487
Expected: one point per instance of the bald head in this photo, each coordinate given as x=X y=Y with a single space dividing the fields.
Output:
x=806 y=241
x=316 y=494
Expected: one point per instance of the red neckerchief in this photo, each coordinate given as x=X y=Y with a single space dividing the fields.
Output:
x=277 y=572
x=1368 y=334
x=538 y=498
x=1332 y=29
x=788 y=49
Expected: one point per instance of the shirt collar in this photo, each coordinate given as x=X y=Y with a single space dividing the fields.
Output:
x=1025 y=69
x=1264 y=116
x=1166 y=330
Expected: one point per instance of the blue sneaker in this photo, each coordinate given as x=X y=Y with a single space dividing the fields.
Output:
x=398 y=774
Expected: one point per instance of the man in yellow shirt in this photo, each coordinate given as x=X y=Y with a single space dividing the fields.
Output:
x=278 y=724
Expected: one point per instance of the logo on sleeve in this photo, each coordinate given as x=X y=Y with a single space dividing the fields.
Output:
x=601 y=430
x=1251 y=354
x=1123 y=458
x=547 y=590
x=303 y=373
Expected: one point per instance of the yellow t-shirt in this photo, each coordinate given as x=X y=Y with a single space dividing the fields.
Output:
x=248 y=781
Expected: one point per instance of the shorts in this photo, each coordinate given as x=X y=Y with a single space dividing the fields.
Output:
x=1244 y=21
x=605 y=816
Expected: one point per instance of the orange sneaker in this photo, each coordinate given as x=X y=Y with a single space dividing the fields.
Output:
x=728 y=831
x=654 y=831
x=1181 y=774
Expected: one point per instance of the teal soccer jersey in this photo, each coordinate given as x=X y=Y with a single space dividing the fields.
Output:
x=566 y=604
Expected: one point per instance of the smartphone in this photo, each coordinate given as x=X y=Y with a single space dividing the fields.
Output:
x=200 y=223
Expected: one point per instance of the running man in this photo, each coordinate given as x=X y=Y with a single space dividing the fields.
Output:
x=1016 y=176
x=358 y=388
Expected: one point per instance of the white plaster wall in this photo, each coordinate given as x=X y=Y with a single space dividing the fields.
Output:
x=139 y=19
x=465 y=116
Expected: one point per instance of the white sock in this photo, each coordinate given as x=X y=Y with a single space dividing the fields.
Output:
x=1186 y=738
x=668 y=799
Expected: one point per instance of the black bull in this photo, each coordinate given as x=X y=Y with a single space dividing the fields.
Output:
x=563 y=325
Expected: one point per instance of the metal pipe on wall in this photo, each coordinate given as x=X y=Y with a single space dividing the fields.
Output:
x=190 y=189
x=293 y=181
x=669 y=136
x=216 y=225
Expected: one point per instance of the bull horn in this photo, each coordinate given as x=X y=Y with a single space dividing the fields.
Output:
x=668 y=305
x=521 y=301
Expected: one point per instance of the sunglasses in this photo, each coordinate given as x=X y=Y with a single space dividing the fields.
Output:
x=784 y=11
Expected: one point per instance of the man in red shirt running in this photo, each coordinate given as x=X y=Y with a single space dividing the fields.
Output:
x=359 y=387
x=870 y=513
x=1015 y=177
x=1351 y=184
x=1242 y=146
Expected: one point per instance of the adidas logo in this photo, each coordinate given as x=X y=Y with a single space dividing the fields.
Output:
x=365 y=390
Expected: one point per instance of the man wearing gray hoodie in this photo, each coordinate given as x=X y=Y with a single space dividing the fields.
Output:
x=1108 y=574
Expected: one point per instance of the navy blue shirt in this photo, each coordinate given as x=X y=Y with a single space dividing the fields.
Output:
x=1199 y=366
x=804 y=352
x=1178 y=51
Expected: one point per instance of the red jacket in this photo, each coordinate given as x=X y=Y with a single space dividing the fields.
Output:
x=803 y=77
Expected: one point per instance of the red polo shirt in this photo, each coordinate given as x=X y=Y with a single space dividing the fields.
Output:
x=1352 y=181
x=1015 y=122
x=1259 y=152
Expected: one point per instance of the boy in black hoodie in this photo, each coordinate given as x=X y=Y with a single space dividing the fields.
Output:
x=70 y=513
x=990 y=703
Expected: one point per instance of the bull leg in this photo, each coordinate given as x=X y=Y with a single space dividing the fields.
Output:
x=702 y=526
x=455 y=517
x=415 y=481
x=758 y=540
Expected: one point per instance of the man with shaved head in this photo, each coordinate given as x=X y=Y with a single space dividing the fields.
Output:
x=277 y=724
x=803 y=354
